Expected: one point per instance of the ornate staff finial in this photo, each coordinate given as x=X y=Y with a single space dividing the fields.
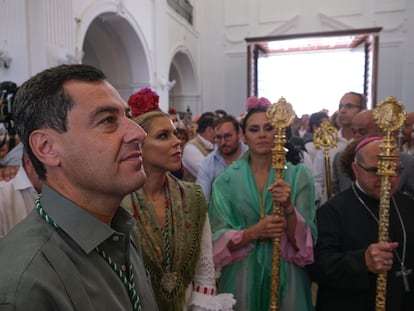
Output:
x=326 y=137
x=281 y=114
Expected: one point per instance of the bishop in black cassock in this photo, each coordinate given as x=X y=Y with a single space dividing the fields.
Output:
x=347 y=226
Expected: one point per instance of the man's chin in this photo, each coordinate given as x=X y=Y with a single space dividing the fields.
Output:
x=140 y=180
x=228 y=151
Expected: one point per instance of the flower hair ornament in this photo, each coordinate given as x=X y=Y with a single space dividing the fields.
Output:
x=255 y=103
x=145 y=100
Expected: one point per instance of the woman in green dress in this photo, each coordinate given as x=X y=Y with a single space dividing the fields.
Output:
x=243 y=226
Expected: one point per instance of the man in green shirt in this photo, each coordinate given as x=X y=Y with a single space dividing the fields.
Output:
x=77 y=250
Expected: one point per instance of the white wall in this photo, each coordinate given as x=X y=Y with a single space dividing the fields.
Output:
x=41 y=33
x=216 y=44
x=229 y=22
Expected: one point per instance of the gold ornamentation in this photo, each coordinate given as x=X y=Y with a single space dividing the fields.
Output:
x=326 y=137
x=169 y=281
x=389 y=116
x=280 y=115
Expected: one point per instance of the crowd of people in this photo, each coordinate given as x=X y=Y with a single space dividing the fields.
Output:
x=114 y=205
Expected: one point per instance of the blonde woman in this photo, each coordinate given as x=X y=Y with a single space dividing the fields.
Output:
x=171 y=219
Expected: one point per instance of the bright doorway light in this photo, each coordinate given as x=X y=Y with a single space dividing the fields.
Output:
x=313 y=70
x=311 y=81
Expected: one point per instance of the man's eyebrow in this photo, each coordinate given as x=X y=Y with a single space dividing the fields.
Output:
x=102 y=109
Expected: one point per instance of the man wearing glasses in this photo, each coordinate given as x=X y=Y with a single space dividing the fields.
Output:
x=363 y=125
x=229 y=149
x=350 y=104
x=348 y=256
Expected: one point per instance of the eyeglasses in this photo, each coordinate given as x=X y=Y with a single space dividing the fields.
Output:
x=361 y=131
x=348 y=106
x=226 y=137
x=374 y=170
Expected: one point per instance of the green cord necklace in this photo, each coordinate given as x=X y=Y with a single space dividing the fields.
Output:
x=169 y=278
x=128 y=282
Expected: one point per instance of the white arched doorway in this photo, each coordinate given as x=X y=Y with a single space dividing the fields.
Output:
x=112 y=44
x=184 y=93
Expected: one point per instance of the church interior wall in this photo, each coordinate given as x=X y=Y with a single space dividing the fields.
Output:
x=235 y=20
x=42 y=33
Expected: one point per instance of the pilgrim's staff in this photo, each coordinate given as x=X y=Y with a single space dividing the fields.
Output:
x=389 y=116
x=280 y=116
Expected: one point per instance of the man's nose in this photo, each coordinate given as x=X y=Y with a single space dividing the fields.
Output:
x=134 y=131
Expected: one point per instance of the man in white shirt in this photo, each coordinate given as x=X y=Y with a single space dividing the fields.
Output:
x=199 y=147
x=350 y=104
x=17 y=196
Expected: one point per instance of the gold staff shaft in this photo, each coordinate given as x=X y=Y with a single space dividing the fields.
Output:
x=389 y=116
x=387 y=166
x=281 y=116
x=278 y=163
x=328 y=173
x=383 y=236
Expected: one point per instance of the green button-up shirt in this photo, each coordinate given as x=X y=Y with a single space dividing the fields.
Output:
x=45 y=268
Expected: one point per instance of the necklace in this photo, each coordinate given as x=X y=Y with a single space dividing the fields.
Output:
x=128 y=282
x=404 y=272
x=169 y=278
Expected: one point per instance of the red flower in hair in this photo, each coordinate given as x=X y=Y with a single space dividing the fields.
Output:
x=143 y=101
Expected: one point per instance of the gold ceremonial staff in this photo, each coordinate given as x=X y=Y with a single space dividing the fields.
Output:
x=326 y=137
x=389 y=116
x=280 y=115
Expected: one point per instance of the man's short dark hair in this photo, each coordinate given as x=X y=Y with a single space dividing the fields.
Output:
x=316 y=119
x=220 y=112
x=206 y=120
x=41 y=102
x=228 y=118
x=362 y=99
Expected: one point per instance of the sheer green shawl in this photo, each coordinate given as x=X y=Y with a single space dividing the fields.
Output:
x=235 y=205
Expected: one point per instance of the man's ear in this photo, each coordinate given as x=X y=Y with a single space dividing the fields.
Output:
x=354 y=167
x=43 y=142
x=211 y=132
